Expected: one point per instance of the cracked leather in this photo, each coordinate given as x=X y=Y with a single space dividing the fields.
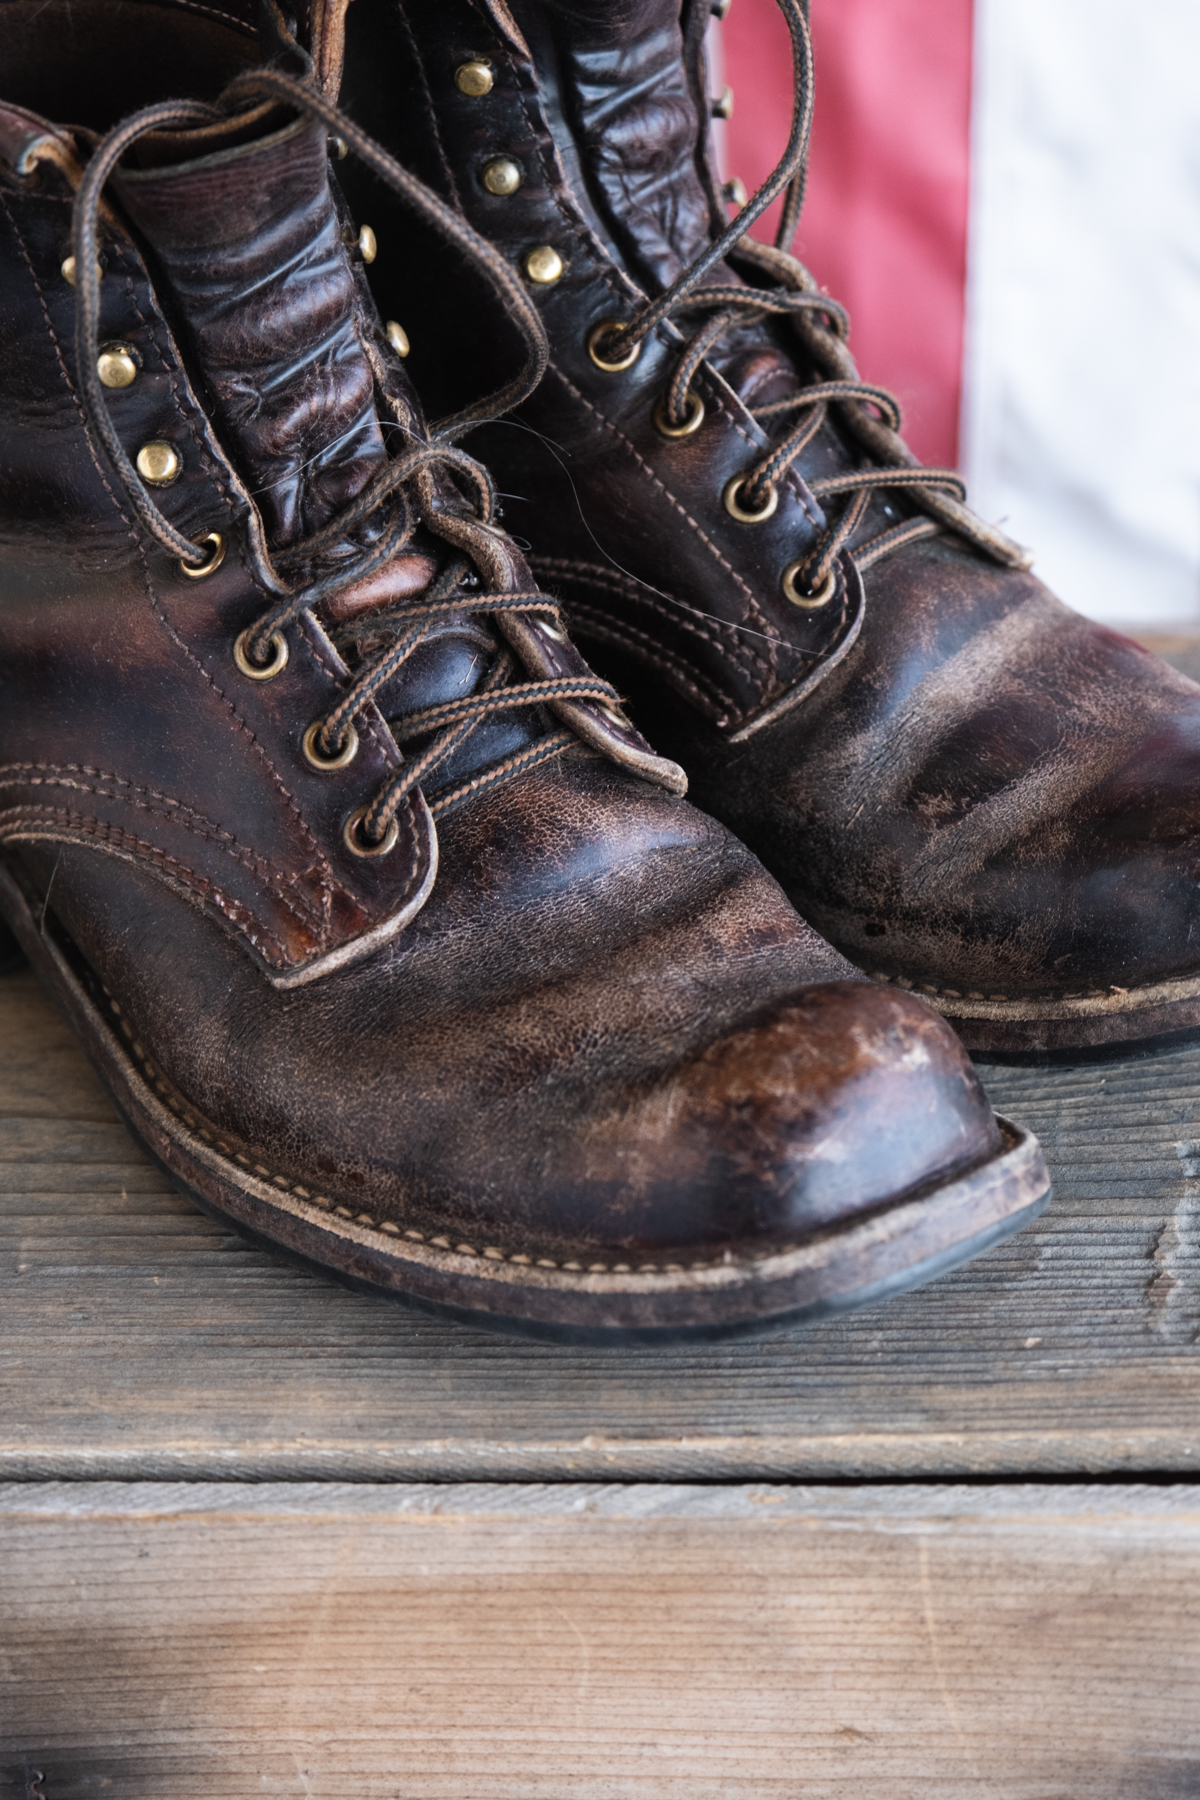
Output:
x=983 y=794
x=601 y=1026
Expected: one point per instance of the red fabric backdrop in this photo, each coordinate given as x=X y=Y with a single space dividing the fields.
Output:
x=884 y=226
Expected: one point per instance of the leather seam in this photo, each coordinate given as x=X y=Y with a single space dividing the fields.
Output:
x=766 y=668
x=80 y=826
x=174 y=812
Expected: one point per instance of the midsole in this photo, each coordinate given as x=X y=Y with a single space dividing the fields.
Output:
x=1077 y=1006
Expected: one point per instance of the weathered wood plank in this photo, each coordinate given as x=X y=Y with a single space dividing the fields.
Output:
x=601 y=1643
x=139 y=1339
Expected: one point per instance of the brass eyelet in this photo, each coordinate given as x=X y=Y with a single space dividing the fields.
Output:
x=693 y=421
x=316 y=757
x=216 y=558
x=355 y=844
x=798 y=597
x=553 y=629
x=730 y=497
x=596 y=336
x=614 y=716
x=260 y=671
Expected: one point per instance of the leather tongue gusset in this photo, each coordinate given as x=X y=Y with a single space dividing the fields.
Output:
x=251 y=242
x=632 y=109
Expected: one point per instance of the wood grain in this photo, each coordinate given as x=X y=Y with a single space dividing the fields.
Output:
x=601 y=1643
x=138 y=1339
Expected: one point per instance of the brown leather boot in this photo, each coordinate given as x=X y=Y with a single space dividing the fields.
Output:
x=394 y=942
x=972 y=791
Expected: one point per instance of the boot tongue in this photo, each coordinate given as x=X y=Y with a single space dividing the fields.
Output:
x=629 y=104
x=251 y=243
x=632 y=110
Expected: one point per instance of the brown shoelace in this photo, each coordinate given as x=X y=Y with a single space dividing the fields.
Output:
x=436 y=485
x=871 y=414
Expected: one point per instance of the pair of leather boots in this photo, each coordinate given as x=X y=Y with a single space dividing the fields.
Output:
x=394 y=938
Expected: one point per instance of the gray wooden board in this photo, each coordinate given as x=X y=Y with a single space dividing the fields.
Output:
x=139 y=1339
x=599 y=1642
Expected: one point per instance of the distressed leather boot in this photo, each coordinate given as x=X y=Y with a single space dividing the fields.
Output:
x=395 y=943
x=972 y=791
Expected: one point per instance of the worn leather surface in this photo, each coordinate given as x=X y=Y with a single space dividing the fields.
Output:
x=983 y=794
x=575 y=1016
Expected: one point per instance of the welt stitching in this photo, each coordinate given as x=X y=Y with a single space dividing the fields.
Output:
x=78 y=824
x=175 y=812
x=194 y=1122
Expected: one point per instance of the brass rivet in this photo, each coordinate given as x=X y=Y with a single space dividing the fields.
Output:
x=742 y=514
x=474 y=78
x=719 y=8
x=366 y=244
x=355 y=843
x=610 y=365
x=735 y=191
x=502 y=176
x=116 y=366
x=397 y=337
x=614 y=715
x=554 y=630
x=316 y=757
x=544 y=264
x=158 y=463
x=721 y=104
x=693 y=421
x=260 y=671
x=798 y=596
x=216 y=557
x=68 y=269
x=340 y=148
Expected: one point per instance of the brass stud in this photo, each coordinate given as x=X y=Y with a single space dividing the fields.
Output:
x=158 y=463
x=117 y=366
x=553 y=629
x=693 y=421
x=798 y=595
x=474 y=78
x=721 y=105
x=735 y=192
x=316 y=757
x=68 y=269
x=358 y=845
x=260 y=671
x=397 y=337
x=502 y=175
x=364 y=241
x=339 y=147
x=610 y=365
x=543 y=265
x=614 y=716
x=719 y=8
x=215 y=559
x=733 y=506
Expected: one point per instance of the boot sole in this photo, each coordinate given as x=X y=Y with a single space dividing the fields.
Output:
x=895 y=1247
x=1114 y=1017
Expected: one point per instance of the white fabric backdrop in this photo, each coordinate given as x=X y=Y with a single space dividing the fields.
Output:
x=1081 y=394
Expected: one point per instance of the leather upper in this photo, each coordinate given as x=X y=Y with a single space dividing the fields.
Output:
x=968 y=787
